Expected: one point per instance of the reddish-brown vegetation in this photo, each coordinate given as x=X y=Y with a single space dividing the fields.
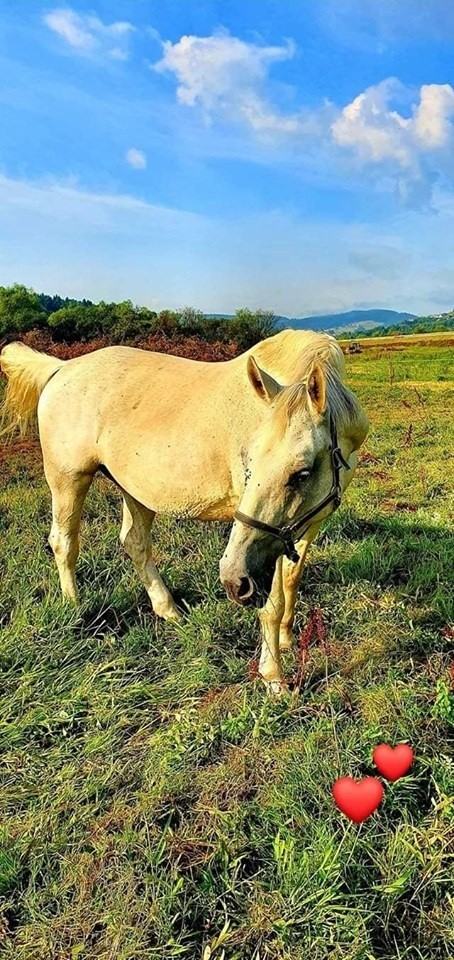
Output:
x=365 y=458
x=193 y=348
x=315 y=629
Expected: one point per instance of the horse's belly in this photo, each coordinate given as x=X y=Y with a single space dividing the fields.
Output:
x=223 y=509
x=191 y=487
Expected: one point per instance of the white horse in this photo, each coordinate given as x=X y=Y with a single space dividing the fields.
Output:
x=207 y=441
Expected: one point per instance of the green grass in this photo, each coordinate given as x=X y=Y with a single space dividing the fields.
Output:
x=154 y=803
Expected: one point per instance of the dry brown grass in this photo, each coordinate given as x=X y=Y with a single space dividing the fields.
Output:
x=402 y=342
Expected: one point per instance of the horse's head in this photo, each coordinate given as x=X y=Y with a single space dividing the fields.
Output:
x=290 y=470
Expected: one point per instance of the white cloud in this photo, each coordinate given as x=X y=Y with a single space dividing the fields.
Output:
x=376 y=132
x=225 y=76
x=113 y=246
x=88 y=34
x=116 y=53
x=367 y=126
x=67 y=201
x=71 y=27
x=404 y=136
x=136 y=158
x=432 y=123
x=62 y=236
x=261 y=117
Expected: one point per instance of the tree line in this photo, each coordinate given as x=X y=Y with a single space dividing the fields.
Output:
x=70 y=321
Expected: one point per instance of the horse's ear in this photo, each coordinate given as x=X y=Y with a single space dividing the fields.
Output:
x=265 y=385
x=316 y=386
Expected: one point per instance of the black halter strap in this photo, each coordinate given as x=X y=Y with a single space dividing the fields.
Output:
x=287 y=533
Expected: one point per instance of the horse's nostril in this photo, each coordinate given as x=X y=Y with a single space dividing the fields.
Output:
x=240 y=591
x=245 y=589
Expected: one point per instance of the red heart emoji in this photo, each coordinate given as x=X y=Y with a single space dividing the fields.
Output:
x=358 y=799
x=393 y=762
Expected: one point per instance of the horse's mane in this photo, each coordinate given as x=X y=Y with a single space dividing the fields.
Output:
x=292 y=353
x=290 y=357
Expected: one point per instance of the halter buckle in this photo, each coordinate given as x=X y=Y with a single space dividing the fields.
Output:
x=291 y=551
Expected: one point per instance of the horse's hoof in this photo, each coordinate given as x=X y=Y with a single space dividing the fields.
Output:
x=276 y=688
x=287 y=642
x=287 y=639
x=177 y=616
x=169 y=613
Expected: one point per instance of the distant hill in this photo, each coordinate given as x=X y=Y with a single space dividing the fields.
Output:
x=433 y=324
x=350 y=321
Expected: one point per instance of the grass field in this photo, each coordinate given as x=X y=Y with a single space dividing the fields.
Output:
x=154 y=804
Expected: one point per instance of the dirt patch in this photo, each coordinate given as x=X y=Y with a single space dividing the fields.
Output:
x=399 y=506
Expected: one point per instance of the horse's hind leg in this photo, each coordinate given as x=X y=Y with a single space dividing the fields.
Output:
x=68 y=495
x=135 y=537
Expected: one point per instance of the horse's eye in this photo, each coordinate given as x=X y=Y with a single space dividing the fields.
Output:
x=296 y=479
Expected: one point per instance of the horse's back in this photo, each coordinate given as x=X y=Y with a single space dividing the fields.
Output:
x=130 y=409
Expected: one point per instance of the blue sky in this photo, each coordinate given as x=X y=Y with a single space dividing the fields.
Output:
x=295 y=155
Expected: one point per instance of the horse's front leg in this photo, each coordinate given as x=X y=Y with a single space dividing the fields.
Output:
x=291 y=576
x=270 y=667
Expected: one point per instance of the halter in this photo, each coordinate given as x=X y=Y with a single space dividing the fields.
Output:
x=286 y=533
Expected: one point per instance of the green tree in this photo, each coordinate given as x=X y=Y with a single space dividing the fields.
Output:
x=191 y=319
x=215 y=328
x=52 y=303
x=20 y=310
x=130 y=321
x=249 y=327
x=75 y=323
x=168 y=322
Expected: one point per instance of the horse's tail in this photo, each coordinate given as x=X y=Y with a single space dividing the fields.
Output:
x=27 y=372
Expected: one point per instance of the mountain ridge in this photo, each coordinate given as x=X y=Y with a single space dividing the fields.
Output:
x=349 y=320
